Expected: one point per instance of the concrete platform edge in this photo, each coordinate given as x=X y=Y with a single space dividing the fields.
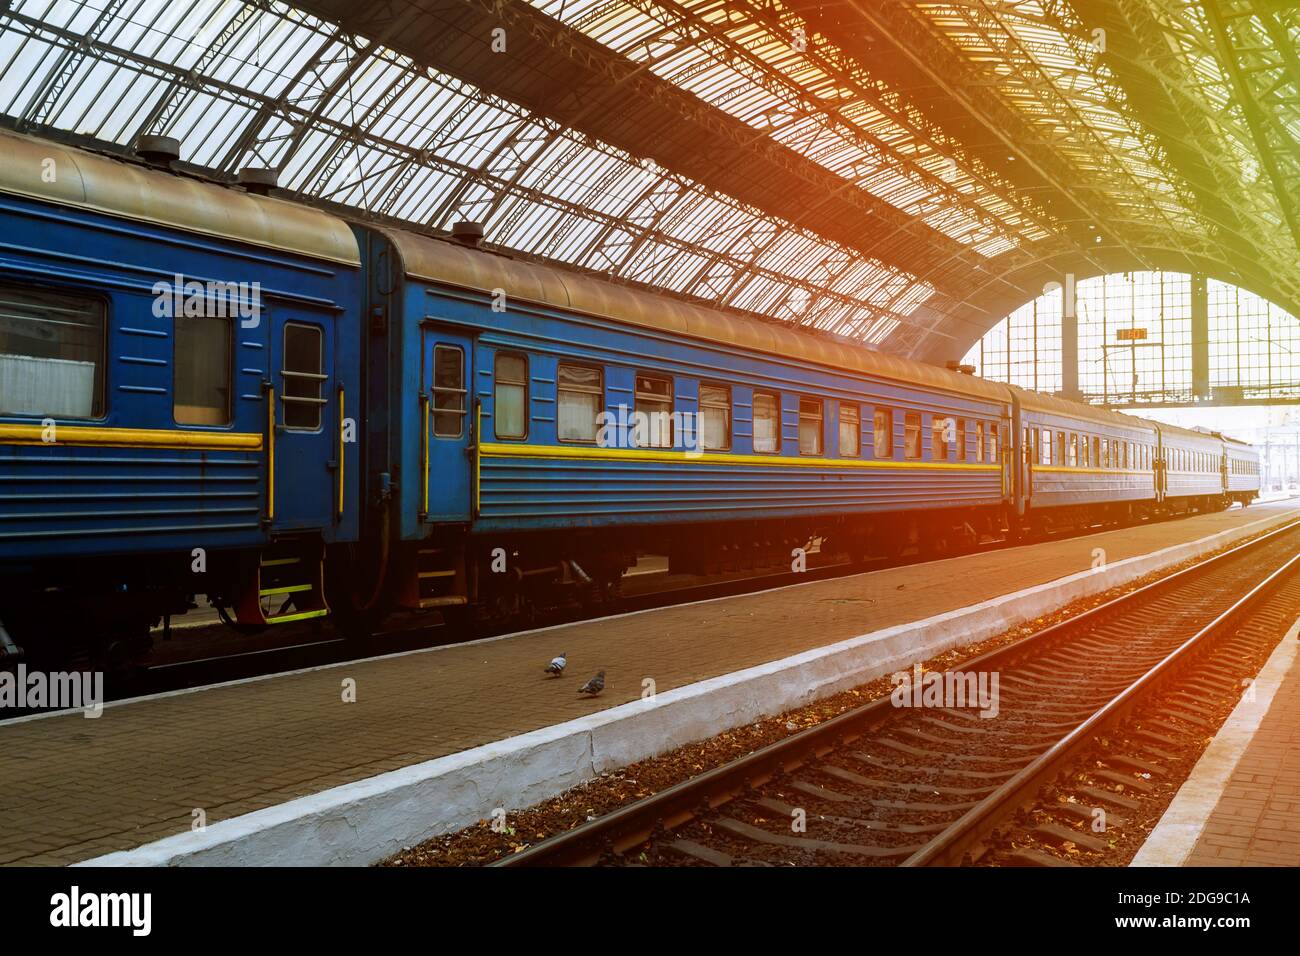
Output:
x=368 y=820
x=1179 y=830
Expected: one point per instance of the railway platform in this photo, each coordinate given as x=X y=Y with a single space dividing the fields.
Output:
x=1241 y=804
x=347 y=763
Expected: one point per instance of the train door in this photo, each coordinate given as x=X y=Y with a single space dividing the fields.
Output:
x=303 y=440
x=1027 y=460
x=447 y=482
x=1162 y=478
x=285 y=582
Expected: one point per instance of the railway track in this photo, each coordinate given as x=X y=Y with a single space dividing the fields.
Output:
x=886 y=785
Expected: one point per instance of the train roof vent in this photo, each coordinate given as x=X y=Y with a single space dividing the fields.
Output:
x=954 y=366
x=158 y=150
x=258 y=179
x=466 y=232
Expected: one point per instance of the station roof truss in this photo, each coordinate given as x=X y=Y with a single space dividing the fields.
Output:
x=903 y=173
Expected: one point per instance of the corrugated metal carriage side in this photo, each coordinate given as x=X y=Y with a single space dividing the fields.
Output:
x=1084 y=463
x=1243 y=470
x=1192 y=469
x=769 y=436
x=147 y=322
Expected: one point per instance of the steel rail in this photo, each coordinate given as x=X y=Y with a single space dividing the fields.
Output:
x=629 y=826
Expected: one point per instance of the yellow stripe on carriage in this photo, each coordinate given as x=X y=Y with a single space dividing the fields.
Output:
x=560 y=452
x=129 y=437
x=1075 y=469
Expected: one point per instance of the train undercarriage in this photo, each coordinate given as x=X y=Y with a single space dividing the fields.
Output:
x=481 y=583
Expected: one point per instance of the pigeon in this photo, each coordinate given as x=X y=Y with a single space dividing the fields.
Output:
x=556 y=667
x=593 y=686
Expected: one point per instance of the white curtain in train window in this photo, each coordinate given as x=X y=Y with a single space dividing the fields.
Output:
x=767 y=422
x=654 y=401
x=850 y=431
x=912 y=435
x=51 y=350
x=882 y=425
x=715 y=417
x=510 y=397
x=810 y=426
x=581 y=400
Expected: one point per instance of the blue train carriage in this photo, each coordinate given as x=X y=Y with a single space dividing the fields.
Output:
x=545 y=427
x=1241 y=471
x=174 y=375
x=1081 y=465
x=1190 y=477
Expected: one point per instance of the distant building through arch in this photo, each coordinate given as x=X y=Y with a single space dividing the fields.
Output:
x=1147 y=339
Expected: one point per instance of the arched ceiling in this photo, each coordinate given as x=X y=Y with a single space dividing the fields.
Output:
x=905 y=173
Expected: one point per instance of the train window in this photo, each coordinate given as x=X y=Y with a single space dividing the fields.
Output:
x=993 y=443
x=941 y=429
x=303 y=376
x=1084 y=460
x=1045 y=447
x=654 y=400
x=448 y=391
x=961 y=439
x=715 y=417
x=510 y=395
x=767 y=423
x=810 y=426
x=850 y=431
x=882 y=423
x=912 y=435
x=580 y=394
x=1060 y=448
x=51 y=354
x=1072 y=451
x=979 y=441
x=201 y=371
